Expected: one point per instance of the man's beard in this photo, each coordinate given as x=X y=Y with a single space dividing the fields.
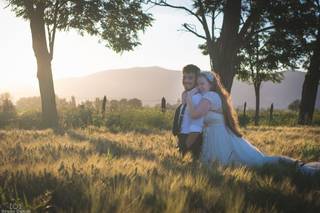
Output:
x=192 y=87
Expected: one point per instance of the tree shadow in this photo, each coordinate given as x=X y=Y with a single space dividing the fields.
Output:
x=117 y=149
x=261 y=194
x=105 y=146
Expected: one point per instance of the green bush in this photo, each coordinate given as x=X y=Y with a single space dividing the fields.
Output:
x=7 y=118
x=77 y=117
x=29 y=120
x=141 y=120
x=145 y=119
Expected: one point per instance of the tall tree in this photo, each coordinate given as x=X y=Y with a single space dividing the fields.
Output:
x=115 y=22
x=222 y=42
x=260 y=61
x=301 y=21
x=310 y=85
x=312 y=78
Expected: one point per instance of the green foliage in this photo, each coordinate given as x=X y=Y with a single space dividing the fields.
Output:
x=116 y=22
x=29 y=120
x=141 y=120
x=145 y=119
x=28 y=104
x=121 y=22
x=294 y=106
x=121 y=116
x=280 y=118
x=260 y=60
x=77 y=117
x=7 y=110
x=297 y=25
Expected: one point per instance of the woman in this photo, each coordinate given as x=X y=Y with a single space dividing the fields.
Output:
x=222 y=140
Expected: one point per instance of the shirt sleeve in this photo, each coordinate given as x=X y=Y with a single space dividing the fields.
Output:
x=196 y=125
x=214 y=99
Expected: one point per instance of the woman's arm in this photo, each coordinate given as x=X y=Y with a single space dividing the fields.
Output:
x=200 y=110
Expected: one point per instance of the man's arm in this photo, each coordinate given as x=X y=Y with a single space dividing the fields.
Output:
x=175 y=126
x=191 y=139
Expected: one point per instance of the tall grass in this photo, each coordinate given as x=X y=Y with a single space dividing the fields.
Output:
x=95 y=170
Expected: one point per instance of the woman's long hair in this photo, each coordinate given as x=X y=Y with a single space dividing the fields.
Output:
x=230 y=115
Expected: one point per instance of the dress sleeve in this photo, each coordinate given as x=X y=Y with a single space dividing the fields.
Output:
x=214 y=99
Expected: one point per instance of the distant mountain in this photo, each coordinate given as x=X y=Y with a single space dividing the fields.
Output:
x=281 y=94
x=150 y=84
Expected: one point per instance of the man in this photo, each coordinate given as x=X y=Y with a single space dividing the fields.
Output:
x=188 y=130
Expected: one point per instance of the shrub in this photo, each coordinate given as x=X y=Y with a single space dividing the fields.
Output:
x=29 y=120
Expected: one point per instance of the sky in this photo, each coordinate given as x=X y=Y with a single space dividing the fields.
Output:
x=163 y=44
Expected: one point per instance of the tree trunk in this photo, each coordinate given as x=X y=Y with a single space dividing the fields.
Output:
x=225 y=51
x=225 y=66
x=310 y=87
x=44 y=72
x=257 y=112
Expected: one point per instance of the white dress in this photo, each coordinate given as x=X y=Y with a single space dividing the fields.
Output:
x=222 y=145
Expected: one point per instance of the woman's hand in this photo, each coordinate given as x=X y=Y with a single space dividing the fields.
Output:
x=193 y=91
x=190 y=94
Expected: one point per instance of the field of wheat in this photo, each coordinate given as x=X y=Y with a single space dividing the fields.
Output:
x=93 y=170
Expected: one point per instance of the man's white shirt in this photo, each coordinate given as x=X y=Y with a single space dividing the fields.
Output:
x=189 y=124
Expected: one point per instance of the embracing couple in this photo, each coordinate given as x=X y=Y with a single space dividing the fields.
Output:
x=206 y=125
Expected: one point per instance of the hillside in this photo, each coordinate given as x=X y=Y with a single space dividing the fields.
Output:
x=150 y=84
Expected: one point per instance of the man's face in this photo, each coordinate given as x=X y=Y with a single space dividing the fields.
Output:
x=189 y=81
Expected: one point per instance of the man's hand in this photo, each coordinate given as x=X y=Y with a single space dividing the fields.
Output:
x=192 y=137
x=189 y=143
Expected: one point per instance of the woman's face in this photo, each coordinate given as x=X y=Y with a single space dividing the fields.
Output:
x=203 y=84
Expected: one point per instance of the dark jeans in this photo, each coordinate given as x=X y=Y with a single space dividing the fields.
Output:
x=195 y=148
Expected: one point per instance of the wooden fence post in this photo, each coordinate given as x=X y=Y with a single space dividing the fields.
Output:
x=271 y=113
x=103 y=107
x=244 y=109
x=163 y=105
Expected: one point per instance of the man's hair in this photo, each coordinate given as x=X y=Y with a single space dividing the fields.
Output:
x=191 y=68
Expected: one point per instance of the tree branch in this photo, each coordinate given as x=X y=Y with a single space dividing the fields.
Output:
x=242 y=20
x=54 y=28
x=165 y=4
x=49 y=34
x=213 y=25
x=193 y=31
x=247 y=38
x=204 y=22
x=262 y=30
x=252 y=19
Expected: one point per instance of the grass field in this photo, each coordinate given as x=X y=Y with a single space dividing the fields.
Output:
x=93 y=170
